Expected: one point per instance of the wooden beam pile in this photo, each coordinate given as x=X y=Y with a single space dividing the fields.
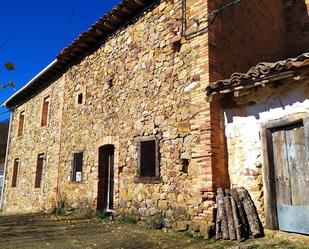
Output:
x=237 y=217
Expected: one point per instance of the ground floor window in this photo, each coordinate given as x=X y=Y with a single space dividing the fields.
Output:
x=148 y=159
x=40 y=171
x=77 y=169
x=15 y=172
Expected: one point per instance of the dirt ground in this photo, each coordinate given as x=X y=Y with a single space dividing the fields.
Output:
x=42 y=231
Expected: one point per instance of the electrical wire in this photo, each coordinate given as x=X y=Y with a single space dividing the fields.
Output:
x=214 y=13
x=6 y=41
x=70 y=22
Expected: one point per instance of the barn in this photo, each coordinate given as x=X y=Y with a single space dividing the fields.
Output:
x=266 y=113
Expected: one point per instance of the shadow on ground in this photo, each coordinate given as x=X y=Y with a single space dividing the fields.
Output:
x=42 y=231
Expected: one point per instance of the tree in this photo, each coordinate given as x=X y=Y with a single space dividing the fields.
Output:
x=9 y=66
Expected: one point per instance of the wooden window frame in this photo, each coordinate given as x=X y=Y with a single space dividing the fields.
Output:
x=21 y=126
x=39 y=184
x=266 y=138
x=157 y=178
x=45 y=114
x=73 y=171
x=15 y=173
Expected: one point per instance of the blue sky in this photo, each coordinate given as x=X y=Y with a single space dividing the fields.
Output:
x=37 y=30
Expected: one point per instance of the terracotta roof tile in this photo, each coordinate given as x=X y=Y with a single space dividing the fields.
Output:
x=259 y=72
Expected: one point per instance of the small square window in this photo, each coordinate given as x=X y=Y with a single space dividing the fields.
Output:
x=80 y=98
x=185 y=166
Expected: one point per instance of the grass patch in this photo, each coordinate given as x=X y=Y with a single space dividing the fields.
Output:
x=102 y=215
x=191 y=235
x=283 y=244
x=186 y=234
x=127 y=219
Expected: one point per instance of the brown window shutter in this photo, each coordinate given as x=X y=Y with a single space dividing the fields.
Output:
x=148 y=158
x=15 y=173
x=39 y=171
x=45 y=111
x=21 y=123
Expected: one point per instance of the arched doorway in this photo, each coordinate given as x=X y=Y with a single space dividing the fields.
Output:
x=106 y=178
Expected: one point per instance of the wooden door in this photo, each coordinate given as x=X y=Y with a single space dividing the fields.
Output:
x=106 y=178
x=291 y=178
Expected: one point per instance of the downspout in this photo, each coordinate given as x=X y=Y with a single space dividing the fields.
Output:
x=6 y=161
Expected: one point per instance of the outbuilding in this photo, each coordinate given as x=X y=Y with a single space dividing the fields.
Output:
x=266 y=112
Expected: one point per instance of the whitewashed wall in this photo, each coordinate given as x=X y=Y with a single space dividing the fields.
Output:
x=243 y=126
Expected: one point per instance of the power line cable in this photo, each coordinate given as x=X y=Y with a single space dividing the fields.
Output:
x=70 y=22
x=214 y=13
x=6 y=41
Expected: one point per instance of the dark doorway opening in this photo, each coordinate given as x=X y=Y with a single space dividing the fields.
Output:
x=106 y=178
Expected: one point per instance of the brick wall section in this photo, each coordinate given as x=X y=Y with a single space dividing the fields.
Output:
x=245 y=34
x=297 y=18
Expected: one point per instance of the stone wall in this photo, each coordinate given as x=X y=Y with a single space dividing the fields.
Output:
x=138 y=83
x=243 y=127
x=144 y=80
x=25 y=198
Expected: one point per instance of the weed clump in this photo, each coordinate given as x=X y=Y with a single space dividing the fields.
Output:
x=127 y=219
x=157 y=222
x=102 y=215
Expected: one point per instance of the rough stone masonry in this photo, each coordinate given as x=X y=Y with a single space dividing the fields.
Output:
x=144 y=80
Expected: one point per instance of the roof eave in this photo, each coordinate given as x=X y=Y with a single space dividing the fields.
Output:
x=25 y=87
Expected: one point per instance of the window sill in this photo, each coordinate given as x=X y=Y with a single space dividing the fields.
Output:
x=151 y=180
x=76 y=182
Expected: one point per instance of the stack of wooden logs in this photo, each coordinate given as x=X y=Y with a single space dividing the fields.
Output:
x=237 y=217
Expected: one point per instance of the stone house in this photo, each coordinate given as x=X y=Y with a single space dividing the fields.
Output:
x=120 y=122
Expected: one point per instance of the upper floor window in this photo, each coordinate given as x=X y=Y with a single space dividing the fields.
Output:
x=15 y=172
x=40 y=171
x=21 y=123
x=80 y=98
x=45 y=110
x=149 y=159
x=77 y=170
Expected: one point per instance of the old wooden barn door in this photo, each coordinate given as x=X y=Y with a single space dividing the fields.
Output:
x=106 y=178
x=290 y=176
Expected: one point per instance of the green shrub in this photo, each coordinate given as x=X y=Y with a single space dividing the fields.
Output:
x=127 y=219
x=190 y=234
x=186 y=234
x=102 y=215
x=157 y=221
